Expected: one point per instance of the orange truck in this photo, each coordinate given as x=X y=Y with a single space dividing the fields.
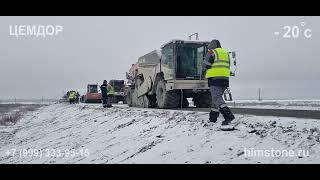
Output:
x=92 y=95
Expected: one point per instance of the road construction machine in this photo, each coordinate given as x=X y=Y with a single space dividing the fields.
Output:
x=64 y=99
x=166 y=78
x=118 y=88
x=92 y=95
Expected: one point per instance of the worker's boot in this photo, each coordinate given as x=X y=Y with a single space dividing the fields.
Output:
x=227 y=114
x=213 y=116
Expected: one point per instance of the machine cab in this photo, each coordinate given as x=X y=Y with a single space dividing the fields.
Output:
x=185 y=58
x=118 y=85
x=92 y=88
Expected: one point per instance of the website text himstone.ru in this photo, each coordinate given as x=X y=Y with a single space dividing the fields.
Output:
x=251 y=152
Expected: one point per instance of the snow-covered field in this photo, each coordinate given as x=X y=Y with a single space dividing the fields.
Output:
x=63 y=133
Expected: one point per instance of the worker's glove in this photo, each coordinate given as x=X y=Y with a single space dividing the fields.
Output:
x=207 y=64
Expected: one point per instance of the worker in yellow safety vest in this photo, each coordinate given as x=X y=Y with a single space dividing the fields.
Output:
x=72 y=97
x=218 y=73
x=110 y=93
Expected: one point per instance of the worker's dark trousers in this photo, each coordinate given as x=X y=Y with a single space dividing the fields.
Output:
x=216 y=95
x=219 y=105
x=104 y=100
x=109 y=100
x=71 y=101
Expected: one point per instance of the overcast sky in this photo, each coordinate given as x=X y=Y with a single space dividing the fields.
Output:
x=90 y=49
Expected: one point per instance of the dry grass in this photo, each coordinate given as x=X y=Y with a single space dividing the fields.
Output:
x=11 y=118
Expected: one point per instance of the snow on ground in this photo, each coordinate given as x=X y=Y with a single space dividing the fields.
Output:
x=90 y=134
x=277 y=104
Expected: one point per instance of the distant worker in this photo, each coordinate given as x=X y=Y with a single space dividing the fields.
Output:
x=72 y=97
x=104 y=93
x=77 y=97
x=110 y=93
x=218 y=73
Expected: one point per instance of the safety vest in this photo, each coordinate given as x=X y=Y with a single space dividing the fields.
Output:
x=110 y=90
x=72 y=95
x=220 y=68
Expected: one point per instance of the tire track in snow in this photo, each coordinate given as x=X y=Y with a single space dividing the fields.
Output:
x=144 y=149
